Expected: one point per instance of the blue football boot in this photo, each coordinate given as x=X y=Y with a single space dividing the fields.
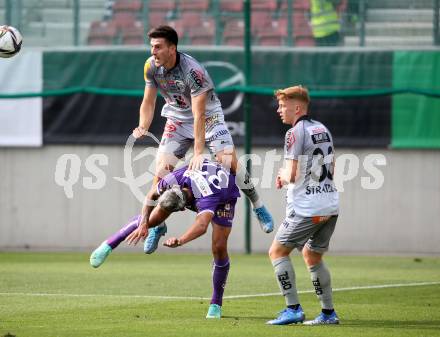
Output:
x=100 y=254
x=153 y=238
x=214 y=311
x=264 y=218
x=289 y=316
x=324 y=319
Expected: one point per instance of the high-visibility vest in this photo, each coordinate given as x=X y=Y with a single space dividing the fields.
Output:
x=325 y=20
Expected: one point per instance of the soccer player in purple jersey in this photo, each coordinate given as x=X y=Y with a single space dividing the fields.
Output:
x=212 y=194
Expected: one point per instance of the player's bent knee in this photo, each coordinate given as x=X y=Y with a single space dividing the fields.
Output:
x=277 y=251
x=311 y=258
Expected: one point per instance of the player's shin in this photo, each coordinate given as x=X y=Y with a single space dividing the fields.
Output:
x=219 y=276
x=114 y=240
x=286 y=278
x=245 y=184
x=322 y=283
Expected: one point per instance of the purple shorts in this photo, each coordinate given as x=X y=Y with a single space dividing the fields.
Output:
x=224 y=214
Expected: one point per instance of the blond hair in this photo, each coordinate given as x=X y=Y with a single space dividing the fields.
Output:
x=296 y=92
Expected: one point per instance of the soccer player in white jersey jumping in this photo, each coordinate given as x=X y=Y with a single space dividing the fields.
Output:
x=312 y=207
x=194 y=115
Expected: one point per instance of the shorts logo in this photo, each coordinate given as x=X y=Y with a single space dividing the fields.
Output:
x=216 y=135
x=169 y=127
x=223 y=213
x=211 y=122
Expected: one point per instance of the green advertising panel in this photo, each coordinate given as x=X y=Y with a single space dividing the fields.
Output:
x=416 y=118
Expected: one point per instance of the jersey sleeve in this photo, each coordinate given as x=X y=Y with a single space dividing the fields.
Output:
x=149 y=73
x=198 y=79
x=294 y=142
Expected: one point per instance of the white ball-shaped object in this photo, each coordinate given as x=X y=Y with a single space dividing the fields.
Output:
x=10 y=41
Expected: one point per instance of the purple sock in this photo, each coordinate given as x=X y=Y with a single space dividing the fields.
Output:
x=114 y=240
x=219 y=275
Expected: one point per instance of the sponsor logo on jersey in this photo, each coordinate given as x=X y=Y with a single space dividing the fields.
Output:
x=315 y=130
x=327 y=188
x=162 y=82
x=197 y=77
x=199 y=181
x=322 y=137
x=180 y=85
x=290 y=139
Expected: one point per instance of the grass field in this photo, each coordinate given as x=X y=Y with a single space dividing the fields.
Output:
x=59 y=294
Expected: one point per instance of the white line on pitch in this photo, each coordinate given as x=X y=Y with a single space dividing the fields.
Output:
x=379 y=286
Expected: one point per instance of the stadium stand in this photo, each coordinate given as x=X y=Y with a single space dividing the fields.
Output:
x=102 y=33
x=388 y=23
x=194 y=5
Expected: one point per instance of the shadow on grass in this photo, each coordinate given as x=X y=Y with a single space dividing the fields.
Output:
x=379 y=324
x=423 y=325
x=251 y=318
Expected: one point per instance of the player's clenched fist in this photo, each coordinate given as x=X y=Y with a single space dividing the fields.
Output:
x=172 y=243
x=139 y=132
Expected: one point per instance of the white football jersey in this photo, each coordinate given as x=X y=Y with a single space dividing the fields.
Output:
x=314 y=192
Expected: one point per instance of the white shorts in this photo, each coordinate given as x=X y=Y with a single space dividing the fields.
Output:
x=178 y=137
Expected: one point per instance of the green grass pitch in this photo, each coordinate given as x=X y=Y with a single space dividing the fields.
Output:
x=60 y=295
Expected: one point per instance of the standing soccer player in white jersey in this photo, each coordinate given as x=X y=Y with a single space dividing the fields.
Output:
x=194 y=115
x=312 y=207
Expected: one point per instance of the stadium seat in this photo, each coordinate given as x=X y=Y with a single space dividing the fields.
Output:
x=156 y=18
x=179 y=27
x=302 y=32
x=162 y=5
x=233 y=32
x=190 y=20
x=297 y=5
x=266 y=5
x=127 y=6
x=273 y=35
x=134 y=34
x=194 y=5
x=260 y=20
x=204 y=34
x=123 y=19
x=231 y=6
x=102 y=33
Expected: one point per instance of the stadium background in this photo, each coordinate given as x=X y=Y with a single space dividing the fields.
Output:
x=77 y=84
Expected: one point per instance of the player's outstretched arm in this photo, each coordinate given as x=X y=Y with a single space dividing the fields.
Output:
x=146 y=112
x=197 y=229
x=142 y=230
x=198 y=104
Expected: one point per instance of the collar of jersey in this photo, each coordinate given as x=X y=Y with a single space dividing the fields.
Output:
x=303 y=118
x=177 y=63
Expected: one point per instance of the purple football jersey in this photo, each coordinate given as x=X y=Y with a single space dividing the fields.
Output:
x=212 y=187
